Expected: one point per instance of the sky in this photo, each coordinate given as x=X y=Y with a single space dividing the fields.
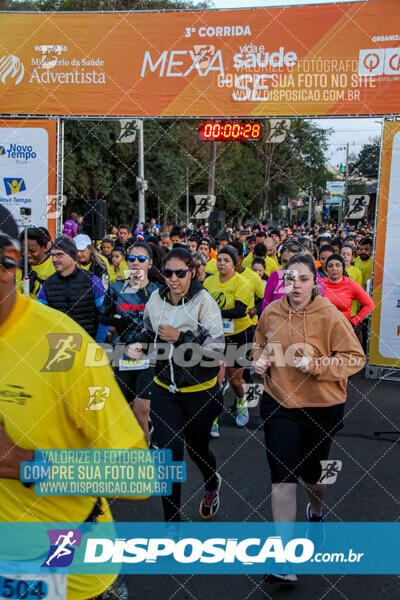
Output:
x=356 y=132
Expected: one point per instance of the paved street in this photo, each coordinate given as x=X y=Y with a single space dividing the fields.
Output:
x=367 y=489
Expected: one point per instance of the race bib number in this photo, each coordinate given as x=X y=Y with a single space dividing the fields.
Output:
x=125 y=364
x=33 y=587
x=229 y=325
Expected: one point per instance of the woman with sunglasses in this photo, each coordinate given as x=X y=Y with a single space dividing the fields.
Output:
x=275 y=288
x=234 y=296
x=186 y=397
x=123 y=309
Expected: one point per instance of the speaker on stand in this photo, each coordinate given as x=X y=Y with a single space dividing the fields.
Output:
x=216 y=222
x=95 y=218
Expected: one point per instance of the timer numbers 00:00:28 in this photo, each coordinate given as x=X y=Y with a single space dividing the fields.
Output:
x=231 y=131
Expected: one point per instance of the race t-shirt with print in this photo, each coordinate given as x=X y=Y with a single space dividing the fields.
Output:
x=225 y=295
x=48 y=380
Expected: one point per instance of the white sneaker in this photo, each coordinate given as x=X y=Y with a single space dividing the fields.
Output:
x=215 y=430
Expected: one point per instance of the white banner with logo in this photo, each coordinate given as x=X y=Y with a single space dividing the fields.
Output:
x=24 y=173
x=358 y=206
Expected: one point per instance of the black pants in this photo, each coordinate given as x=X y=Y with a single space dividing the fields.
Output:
x=185 y=418
x=297 y=439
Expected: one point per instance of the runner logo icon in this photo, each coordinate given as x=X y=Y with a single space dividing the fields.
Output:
x=330 y=471
x=97 y=397
x=11 y=66
x=62 y=547
x=62 y=351
x=14 y=185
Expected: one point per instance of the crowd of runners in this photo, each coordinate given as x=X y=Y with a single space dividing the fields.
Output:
x=188 y=316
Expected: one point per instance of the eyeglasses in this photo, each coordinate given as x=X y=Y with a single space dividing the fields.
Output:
x=181 y=273
x=58 y=255
x=141 y=258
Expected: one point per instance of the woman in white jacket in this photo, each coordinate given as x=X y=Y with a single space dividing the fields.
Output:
x=184 y=325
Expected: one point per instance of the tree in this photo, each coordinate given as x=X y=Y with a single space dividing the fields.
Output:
x=367 y=161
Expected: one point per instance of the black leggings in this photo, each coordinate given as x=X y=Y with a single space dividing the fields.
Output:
x=186 y=418
x=297 y=439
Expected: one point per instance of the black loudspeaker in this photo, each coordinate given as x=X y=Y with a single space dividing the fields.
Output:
x=95 y=218
x=216 y=222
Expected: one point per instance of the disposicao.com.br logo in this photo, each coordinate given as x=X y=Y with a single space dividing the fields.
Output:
x=192 y=550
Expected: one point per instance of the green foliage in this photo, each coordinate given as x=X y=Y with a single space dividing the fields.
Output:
x=367 y=161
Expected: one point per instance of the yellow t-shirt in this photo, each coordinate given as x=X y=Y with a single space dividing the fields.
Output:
x=109 y=267
x=355 y=274
x=42 y=406
x=257 y=286
x=225 y=295
x=211 y=266
x=270 y=264
x=43 y=271
x=365 y=267
x=123 y=266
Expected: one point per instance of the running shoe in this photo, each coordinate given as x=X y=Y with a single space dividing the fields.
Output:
x=280 y=578
x=315 y=529
x=210 y=503
x=225 y=386
x=242 y=413
x=215 y=430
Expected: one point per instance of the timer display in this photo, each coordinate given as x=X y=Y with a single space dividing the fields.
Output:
x=231 y=130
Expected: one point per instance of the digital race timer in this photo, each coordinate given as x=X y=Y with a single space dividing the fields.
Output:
x=231 y=130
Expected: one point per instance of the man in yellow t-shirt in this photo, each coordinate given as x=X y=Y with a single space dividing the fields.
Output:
x=47 y=380
x=364 y=260
x=260 y=251
x=255 y=281
x=40 y=263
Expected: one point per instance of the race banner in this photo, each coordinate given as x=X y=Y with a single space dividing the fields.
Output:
x=384 y=349
x=335 y=59
x=28 y=171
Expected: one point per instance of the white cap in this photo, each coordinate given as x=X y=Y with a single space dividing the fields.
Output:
x=324 y=235
x=82 y=241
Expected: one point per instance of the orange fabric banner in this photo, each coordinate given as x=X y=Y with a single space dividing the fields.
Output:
x=334 y=59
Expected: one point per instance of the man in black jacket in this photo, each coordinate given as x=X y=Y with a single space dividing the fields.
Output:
x=74 y=291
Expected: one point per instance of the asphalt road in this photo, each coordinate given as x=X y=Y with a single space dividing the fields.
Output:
x=367 y=489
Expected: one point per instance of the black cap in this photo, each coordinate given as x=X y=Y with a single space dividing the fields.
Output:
x=229 y=250
x=64 y=243
x=8 y=226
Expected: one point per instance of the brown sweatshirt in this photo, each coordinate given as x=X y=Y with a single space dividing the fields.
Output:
x=319 y=332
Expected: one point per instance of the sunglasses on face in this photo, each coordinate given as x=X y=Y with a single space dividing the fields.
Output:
x=141 y=258
x=180 y=273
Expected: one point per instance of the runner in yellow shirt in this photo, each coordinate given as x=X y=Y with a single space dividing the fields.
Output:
x=260 y=251
x=40 y=263
x=353 y=272
x=48 y=381
x=234 y=296
x=364 y=260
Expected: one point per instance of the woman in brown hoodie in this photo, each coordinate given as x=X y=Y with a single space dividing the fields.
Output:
x=307 y=349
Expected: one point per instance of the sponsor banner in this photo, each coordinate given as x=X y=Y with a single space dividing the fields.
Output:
x=195 y=548
x=335 y=188
x=28 y=170
x=343 y=59
x=384 y=346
